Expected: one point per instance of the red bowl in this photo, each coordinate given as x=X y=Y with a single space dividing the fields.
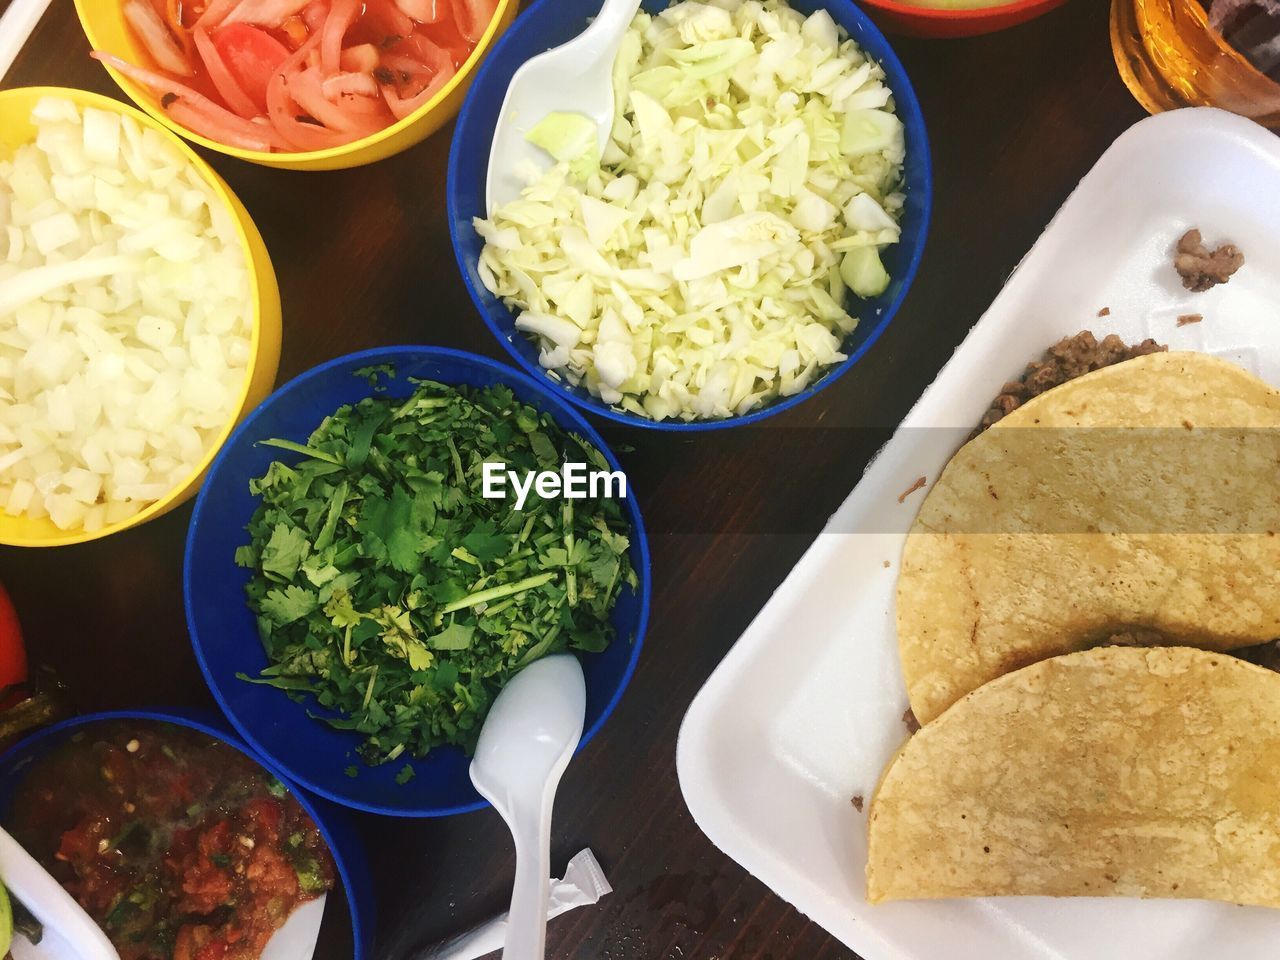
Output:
x=913 y=21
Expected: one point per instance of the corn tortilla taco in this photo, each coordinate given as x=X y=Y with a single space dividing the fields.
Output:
x=1116 y=771
x=1143 y=498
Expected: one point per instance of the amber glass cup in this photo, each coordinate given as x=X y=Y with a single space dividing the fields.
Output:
x=1180 y=53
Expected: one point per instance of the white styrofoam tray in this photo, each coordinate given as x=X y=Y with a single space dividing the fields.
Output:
x=807 y=707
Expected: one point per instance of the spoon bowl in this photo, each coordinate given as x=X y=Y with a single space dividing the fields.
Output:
x=525 y=744
x=575 y=77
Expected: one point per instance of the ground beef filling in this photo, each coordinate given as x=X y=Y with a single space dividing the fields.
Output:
x=1201 y=268
x=1067 y=359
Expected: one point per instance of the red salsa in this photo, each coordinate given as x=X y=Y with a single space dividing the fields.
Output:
x=179 y=846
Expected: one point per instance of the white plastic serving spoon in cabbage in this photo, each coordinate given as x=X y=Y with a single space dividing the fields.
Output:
x=576 y=78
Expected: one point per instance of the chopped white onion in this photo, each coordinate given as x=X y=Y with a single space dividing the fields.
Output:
x=124 y=319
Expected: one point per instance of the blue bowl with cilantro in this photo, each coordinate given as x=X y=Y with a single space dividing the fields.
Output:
x=361 y=604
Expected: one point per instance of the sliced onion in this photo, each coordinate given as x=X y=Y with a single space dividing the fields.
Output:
x=424 y=11
x=284 y=112
x=349 y=86
x=342 y=14
x=36 y=282
x=214 y=116
x=315 y=15
x=388 y=17
x=402 y=107
x=149 y=27
x=304 y=87
x=180 y=31
x=216 y=12
x=473 y=16
x=265 y=13
x=199 y=122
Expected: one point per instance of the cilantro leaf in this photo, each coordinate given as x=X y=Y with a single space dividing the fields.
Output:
x=284 y=552
x=456 y=636
x=287 y=605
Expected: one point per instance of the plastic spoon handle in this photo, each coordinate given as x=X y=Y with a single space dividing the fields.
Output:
x=527 y=922
x=16 y=26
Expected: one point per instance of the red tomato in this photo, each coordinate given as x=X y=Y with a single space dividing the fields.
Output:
x=251 y=54
x=13 y=655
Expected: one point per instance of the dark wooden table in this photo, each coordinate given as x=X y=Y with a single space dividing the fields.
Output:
x=364 y=259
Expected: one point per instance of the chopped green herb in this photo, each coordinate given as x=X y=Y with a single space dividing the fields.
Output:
x=390 y=589
x=310 y=877
x=372 y=374
x=405 y=775
x=352 y=771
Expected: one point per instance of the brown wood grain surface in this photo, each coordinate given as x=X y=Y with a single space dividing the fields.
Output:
x=364 y=259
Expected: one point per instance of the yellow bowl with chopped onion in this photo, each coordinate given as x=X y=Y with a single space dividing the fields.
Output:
x=262 y=310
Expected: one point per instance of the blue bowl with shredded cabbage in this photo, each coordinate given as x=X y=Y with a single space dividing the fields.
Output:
x=548 y=23
x=224 y=631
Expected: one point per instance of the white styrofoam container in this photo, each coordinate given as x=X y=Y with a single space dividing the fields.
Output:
x=807 y=707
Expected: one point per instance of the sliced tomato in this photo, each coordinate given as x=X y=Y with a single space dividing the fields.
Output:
x=220 y=75
x=342 y=14
x=304 y=87
x=13 y=654
x=252 y=56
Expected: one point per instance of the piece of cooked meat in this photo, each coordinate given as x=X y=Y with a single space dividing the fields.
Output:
x=1067 y=359
x=1201 y=268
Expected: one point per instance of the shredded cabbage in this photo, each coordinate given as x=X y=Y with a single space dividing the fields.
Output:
x=124 y=318
x=702 y=267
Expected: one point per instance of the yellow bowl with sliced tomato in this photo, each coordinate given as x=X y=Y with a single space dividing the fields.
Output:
x=235 y=62
x=16 y=129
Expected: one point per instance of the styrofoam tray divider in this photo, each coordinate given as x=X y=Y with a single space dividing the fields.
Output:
x=806 y=709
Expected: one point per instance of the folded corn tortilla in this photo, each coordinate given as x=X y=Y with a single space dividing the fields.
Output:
x=1143 y=498
x=1117 y=771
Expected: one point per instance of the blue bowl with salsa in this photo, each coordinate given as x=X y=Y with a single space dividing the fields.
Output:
x=224 y=631
x=348 y=925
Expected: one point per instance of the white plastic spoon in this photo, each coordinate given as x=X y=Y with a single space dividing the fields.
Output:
x=69 y=932
x=524 y=747
x=575 y=77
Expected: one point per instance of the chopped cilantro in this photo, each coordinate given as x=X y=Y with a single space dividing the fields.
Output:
x=390 y=590
x=372 y=373
x=405 y=775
